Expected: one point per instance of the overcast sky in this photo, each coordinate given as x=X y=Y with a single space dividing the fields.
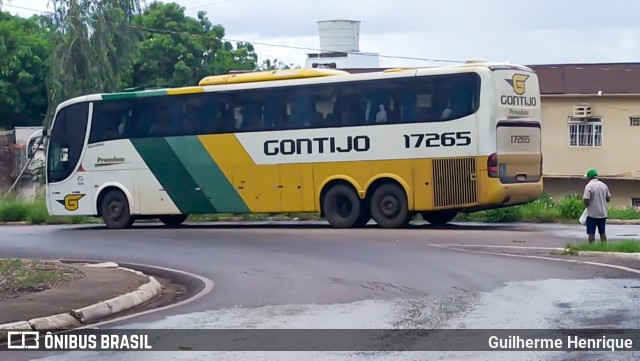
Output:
x=519 y=31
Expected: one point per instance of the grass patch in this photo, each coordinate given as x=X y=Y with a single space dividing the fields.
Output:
x=36 y=213
x=566 y=209
x=625 y=213
x=15 y=211
x=628 y=246
x=21 y=276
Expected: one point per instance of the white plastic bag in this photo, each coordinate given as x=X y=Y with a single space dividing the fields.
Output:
x=583 y=217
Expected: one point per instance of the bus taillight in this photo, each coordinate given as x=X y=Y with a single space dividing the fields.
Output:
x=492 y=165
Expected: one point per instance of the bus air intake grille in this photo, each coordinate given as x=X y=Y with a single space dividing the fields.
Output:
x=454 y=182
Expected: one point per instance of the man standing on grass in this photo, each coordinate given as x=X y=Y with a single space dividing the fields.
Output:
x=596 y=196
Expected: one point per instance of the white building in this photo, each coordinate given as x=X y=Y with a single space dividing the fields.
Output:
x=340 y=47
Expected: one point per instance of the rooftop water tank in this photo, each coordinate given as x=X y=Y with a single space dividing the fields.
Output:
x=339 y=35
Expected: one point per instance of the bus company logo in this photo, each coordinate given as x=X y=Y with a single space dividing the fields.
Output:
x=71 y=202
x=518 y=82
x=104 y=162
x=324 y=145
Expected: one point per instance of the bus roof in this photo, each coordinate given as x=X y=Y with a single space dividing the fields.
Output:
x=251 y=77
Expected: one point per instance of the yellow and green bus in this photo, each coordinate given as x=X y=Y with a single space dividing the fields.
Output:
x=383 y=145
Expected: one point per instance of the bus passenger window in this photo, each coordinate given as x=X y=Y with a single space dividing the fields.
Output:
x=318 y=120
x=330 y=120
x=381 y=116
x=238 y=118
x=188 y=126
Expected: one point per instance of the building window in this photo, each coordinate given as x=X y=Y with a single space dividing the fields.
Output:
x=635 y=202
x=585 y=132
x=634 y=121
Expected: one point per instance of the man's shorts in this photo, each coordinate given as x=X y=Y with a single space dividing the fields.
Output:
x=592 y=223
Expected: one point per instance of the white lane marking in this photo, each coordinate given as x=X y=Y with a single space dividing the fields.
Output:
x=598 y=264
x=490 y=246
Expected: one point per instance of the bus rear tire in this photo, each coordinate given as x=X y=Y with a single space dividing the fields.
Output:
x=342 y=206
x=389 y=206
x=173 y=220
x=114 y=210
x=365 y=215
x=439 y=218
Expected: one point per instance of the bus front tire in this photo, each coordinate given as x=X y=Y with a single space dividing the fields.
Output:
x=389 y=206
x=342 y=207
x=439 y=218
x=173 y=220
x=114 y=210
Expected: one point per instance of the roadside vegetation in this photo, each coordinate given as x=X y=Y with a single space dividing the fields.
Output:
x=566 y=209
x=627 y=246
x=36 y=213
x=23 y=276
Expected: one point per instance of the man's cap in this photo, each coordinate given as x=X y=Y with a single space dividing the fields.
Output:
x=591 y=173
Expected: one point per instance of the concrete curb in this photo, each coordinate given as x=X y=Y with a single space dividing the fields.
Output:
x=22 y=223
x=554 y=250
x=560 y=251
x=78 y=317
x=624 y=221
x=634 y=256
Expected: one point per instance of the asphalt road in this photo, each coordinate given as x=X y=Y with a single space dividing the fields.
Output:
x=310 y=276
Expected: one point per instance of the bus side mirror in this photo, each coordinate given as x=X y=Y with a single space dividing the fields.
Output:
x=32 y=142
x=30 y=150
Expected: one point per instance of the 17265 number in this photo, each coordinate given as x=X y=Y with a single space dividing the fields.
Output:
x=448 y=139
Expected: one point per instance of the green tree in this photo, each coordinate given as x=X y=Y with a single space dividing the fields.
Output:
x=275 y=64
x=95 y=45
x=25 y=45
x=179 y=50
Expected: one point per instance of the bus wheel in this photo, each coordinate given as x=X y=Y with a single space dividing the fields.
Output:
x=389 y=206
x=365 y=215
x=115 y=210
x=439 y=218
x=341 y=206
x=173 y=220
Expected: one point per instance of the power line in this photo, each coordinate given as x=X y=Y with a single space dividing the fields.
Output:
x=210 y=4
x=266 y=44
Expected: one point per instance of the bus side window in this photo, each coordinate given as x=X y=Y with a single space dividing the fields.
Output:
x=444 y=103
x=112 y=119
x=302 y=109
x=252 y=115
x=324 y=106
x=275 y=112
x=408 y=105
x=153 y=117
x=216 y=122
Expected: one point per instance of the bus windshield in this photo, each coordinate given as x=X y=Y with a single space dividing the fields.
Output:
x=66 y=141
